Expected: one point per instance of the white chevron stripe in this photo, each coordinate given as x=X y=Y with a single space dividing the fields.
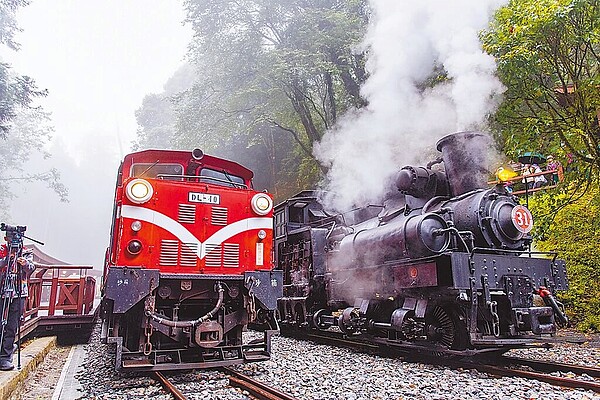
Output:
x=185 y=236
x=237 y=227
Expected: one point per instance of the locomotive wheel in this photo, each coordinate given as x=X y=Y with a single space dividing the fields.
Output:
x=316 y=319
x=445 y=328
x=347 y=319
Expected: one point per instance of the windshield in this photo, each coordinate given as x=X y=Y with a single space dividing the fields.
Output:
x=152 y=170
x=222 y=178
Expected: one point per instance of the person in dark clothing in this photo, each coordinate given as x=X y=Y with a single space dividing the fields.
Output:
x=12 y=299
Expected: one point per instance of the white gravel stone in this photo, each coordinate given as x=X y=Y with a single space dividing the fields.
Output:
x=338 y=373
x=314 y=371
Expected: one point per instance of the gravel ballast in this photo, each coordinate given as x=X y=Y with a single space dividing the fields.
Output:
x=308 y=370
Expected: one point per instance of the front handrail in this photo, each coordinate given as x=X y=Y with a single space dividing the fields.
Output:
x=486 y=250
x=520 y=178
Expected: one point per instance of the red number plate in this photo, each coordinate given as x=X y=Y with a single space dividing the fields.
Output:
x=522 y=219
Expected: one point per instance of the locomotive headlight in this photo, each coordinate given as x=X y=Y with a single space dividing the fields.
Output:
x=139 y=191
x=262 y=234
x=136 y=226
x=261 y=204
x=134 y=247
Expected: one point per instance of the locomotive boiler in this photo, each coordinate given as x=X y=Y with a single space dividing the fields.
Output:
x=444 y=263
x=189 y=264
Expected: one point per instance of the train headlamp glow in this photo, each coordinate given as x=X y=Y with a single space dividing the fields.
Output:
x=139 y=191
x=261 y=204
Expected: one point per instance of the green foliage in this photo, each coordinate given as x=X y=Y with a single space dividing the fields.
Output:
x=15 y=91
x=572 y=229
x=270 y=76
x=548 y=54
x=157 y=116
x=31 y=130
x=271 y=71
x=548 y=57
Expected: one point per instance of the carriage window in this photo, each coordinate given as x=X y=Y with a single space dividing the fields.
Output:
x=296 y=212
x=152 y=170
x=222 y=177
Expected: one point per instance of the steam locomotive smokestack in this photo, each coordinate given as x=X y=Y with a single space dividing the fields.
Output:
x=466 y=157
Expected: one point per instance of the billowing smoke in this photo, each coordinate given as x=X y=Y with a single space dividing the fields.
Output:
x=409 y=43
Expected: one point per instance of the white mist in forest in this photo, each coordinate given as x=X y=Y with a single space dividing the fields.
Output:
x=408 y=43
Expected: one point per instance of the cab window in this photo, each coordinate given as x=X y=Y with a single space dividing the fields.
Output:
x=152 y=170
x=222 y=178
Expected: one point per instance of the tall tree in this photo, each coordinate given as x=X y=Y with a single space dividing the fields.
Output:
x=272 y=67
x=548 y=58
x=548 y=54
x=29 y=134
x=15 y=91
x=157 y=116
x=24 y=127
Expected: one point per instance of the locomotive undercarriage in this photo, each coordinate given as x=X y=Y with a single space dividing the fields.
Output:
x=184 y=322
x=429 y=302
x=445 y=325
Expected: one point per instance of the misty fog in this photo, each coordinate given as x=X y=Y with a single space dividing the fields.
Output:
x=98 y=59
x=75 y=232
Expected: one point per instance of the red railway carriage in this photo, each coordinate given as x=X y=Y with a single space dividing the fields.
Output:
x=189 y=264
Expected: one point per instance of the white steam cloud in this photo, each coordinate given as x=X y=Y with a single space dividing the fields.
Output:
x=407 y=41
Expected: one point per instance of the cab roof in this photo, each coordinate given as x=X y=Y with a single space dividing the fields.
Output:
x=184 y=157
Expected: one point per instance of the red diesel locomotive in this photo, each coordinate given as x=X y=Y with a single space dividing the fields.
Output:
x=189 y=264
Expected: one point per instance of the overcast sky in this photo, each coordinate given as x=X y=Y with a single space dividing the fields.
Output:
x=98 y=59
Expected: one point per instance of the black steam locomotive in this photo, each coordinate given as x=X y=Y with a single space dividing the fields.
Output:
x=444 y=263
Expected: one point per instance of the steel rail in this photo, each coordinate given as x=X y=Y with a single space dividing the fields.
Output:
x=169 y=387
x=548 y=366
x=553 y=380
x=256 y=388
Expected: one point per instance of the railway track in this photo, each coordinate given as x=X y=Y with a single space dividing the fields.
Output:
x=168 y=386
x=256 y=389
x=542 y=374
x=547 y=366
x=494 y=364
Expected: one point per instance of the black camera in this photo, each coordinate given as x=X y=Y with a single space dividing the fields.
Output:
x=14 y=234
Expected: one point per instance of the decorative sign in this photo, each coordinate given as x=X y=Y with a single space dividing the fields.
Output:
x=194 y=197
x=260 y=254
x=522 y=219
